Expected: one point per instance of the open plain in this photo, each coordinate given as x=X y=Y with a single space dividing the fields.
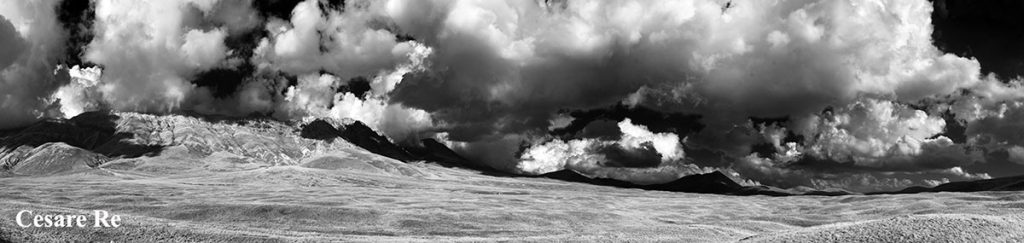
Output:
x=358 y=201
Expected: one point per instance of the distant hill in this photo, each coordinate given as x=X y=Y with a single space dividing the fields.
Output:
x=1013 y=183
x=714 y=182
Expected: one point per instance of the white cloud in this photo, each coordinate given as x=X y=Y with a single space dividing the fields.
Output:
x=344 y=43
x=317 y=96
x=204 y=49
x=554 y=155
x=149 y=51
x=80 y=95
x=603 y=158
x=635 y=136
x=999 y=128
x=874 y=133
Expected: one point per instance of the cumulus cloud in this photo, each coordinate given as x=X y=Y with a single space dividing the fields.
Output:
x=317 y=96
x=639 y=155
x=881 y=134
x=517 y=63
x=869 y=144
x=635 y=136
x=835 y=93
x=150 y=50
x=798 y=55
x=502 y=71
x=80 y=94
x=152 y=53
x=345 y=43
x=1000 y=127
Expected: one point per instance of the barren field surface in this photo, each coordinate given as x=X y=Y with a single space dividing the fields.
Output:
x=344 y=199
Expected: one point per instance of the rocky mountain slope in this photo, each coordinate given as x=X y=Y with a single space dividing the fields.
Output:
x=98 y=139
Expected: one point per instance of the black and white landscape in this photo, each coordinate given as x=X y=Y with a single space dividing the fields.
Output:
x=424 y=120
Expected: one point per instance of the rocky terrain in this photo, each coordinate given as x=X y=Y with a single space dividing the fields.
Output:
x=182 y=178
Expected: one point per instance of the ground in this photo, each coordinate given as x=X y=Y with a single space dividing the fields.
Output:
x=354 y=201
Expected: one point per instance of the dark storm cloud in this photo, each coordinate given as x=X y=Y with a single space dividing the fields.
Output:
x=31 y=41
x=502 y=71
x=14 y=45
x=76 y=18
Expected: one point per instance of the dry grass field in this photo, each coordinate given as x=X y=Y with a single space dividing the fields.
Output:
x=352 y=200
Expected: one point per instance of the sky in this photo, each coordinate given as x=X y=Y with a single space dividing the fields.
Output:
x=861 y=95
